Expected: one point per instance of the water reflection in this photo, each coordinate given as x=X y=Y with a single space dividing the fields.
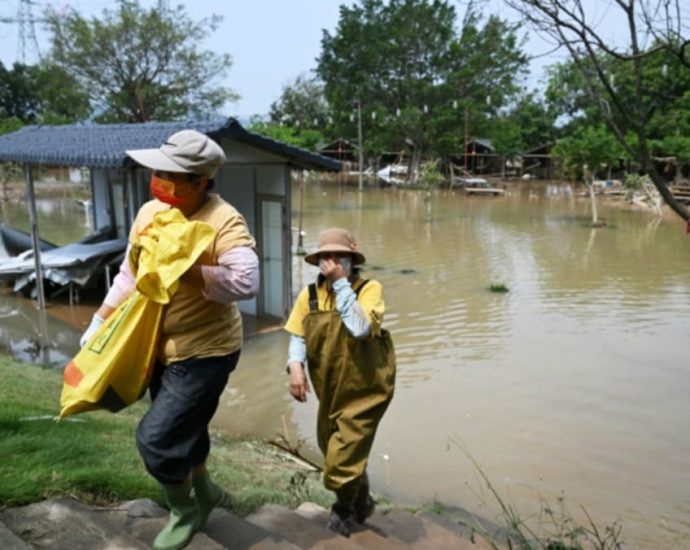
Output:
x=61 y=220
x=22 y=327
x=573 y=382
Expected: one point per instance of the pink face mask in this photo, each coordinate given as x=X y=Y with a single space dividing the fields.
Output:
x=165 y=191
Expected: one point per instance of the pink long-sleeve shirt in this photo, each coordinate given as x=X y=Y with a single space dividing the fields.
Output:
x=236 y=277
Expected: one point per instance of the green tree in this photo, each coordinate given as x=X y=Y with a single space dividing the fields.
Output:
x=414 y=72
x=631 y=85
x=305 y=138
x=18 y=100
x=301 y=114
x=141 y=65
x=587 y=153
x=506 y=140
x=302 y=104
x=42 y=93
x=593 y=147
x=527 y=123
x=11 y=124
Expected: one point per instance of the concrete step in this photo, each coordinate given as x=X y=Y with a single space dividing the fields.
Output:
x=143 y=519
x=146 y=530
x=10 y=541
x=302 y=532
x=235 y=533
x=418 y=532
x=451 y=524
x=66 y=524
x=458 y=522
x=363 y=535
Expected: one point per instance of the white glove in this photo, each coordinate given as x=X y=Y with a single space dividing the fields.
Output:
x=96 y=322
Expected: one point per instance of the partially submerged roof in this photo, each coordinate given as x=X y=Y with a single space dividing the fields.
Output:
x=486 y=143
x=104 y=145
x=543 y=149
x=336 y=145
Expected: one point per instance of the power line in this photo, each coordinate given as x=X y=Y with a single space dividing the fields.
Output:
x=27 y=28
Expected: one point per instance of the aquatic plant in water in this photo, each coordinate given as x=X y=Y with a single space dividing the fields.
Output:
x=499 y=288
x=556 y=528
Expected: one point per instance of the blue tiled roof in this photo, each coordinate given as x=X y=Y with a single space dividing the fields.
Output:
x=104 y=145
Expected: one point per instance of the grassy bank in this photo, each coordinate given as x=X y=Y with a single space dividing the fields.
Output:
x=93 y=456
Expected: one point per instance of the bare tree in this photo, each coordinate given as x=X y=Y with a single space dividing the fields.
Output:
x=653 y=27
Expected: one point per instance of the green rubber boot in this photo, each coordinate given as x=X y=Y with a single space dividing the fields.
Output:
x=184 y=517
x=208 y=496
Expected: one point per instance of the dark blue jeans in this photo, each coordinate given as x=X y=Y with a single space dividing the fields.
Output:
x=172 y=438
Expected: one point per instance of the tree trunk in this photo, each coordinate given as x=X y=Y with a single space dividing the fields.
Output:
x=415 y=160
x=592 y=196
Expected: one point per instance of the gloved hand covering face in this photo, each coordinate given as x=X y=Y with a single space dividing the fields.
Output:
x=344 y=261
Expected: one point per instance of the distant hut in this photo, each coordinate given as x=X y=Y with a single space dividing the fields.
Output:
x=480 y=157
x=341 y=150
x=538 y=162
x=672 y=168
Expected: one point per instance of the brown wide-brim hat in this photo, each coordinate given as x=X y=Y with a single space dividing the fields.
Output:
x=336 y=240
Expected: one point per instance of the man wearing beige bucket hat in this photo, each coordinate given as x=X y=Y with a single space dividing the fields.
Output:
x=335 y=329
x=201 y=336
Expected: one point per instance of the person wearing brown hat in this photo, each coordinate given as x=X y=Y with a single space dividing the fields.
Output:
x=201 y=335
x=335 y=328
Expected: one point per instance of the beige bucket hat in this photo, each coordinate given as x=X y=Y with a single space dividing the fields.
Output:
x=187 y=151
x=336 y=240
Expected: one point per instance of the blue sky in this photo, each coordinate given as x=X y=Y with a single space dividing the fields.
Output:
x=271 y=41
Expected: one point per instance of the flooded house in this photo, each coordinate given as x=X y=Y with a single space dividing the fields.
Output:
x=480 y=157
x=255 y=179
x=538 y=162
x=341 y=150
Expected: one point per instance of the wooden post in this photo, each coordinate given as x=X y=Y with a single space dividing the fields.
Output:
x=300 y=239
x=466 y=130
x=359 y=144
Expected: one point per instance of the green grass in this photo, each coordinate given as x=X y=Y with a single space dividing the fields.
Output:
x=93 y=456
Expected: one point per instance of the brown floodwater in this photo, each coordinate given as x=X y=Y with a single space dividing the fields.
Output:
x=572 y=384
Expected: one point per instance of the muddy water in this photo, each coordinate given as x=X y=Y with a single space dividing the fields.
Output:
x=574 y=383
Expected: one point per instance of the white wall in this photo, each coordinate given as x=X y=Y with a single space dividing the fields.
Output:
x=241 y=153
x=236 y=185
x=101 y=215
x=270 y=180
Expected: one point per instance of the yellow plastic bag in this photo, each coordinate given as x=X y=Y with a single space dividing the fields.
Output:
x=113 y=369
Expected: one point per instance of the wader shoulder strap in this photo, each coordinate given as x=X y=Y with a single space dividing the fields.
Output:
x=313 y=300
x=360 y=287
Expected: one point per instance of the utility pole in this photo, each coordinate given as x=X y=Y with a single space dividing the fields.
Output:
x=466 y=130
x=359 y=143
